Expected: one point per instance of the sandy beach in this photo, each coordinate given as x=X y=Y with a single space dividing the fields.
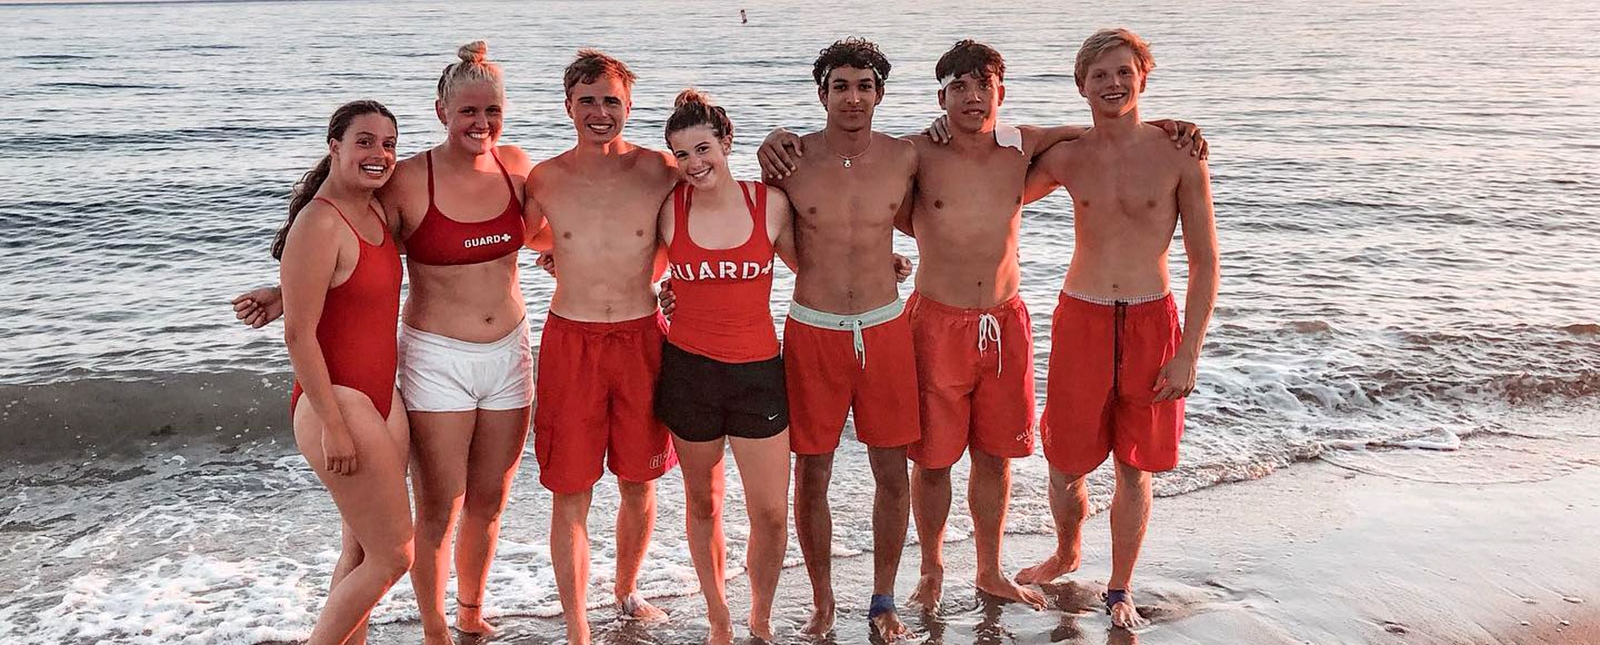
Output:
x=1489 y=544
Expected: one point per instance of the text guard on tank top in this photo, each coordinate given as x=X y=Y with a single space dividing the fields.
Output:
x=723 y=295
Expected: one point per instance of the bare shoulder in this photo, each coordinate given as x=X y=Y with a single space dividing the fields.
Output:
x=1065 y=151
x=544 y=169
x=549 y=169
x=904 y=150
x=515 y=160
x=1158 y=145
x=901 y=146
x=921 y=144
x=409 y=170
x=659 y=161
x=660 y=167
x=318 y=220
x=776 y=198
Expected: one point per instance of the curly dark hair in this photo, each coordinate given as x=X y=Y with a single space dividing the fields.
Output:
x=854 y=52
x=970 y=57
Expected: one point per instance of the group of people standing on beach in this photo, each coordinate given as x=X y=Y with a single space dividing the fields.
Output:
x=946 y=372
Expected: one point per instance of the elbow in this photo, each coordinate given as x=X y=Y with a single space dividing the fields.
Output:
x=295 y=335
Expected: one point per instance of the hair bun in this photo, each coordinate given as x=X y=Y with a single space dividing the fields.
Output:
x=476 y=51
x=688 y=96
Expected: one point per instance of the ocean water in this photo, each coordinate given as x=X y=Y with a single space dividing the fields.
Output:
x=1404 y=192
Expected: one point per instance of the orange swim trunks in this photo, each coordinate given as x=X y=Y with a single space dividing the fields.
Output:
x=975 y=372
x=835 y=363
x=595 y=403
x=1104 y=360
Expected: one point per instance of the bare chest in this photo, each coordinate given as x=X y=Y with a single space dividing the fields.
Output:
x=1112 y=189
x=831 y=199
x=966 y=195
x=606 y=213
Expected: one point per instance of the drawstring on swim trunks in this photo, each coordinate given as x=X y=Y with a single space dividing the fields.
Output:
x=858 y=341
x=989 y=330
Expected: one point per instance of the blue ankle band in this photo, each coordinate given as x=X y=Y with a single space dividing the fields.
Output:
x=1115 y=597
x=882 y=603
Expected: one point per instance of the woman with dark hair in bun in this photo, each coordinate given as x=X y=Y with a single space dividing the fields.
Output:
x=341 y=292
x=721 y=375
x=465 y=365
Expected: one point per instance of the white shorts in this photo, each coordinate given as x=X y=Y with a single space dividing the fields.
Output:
x=443 y=374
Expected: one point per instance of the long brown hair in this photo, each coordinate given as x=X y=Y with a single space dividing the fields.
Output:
x=306 y=188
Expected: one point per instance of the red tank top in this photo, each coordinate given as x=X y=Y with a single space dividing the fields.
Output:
x=359 y=317
x=441 y=240
x=724 y=295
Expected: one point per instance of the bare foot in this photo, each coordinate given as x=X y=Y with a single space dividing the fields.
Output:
x=635 y=607
x=821 y=622
x=1053 y=567
x=997 y=585
x=1126 y=616
x=437 y=639
x=469 y=620
x=929 y=589
x=761 y=626
x=889 y=627
x=721 y=634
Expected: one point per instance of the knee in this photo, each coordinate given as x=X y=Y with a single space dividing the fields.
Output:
x=704 y=505
x=770 y=519
x=572 y=507
x=485 y=506
x=894 y=486
x=812 y=469
x=432 y=527
x=637 y=496
x=1130 y=478
x=932 y=476
x=987 y=464
x=439 y=502
x=392 y=562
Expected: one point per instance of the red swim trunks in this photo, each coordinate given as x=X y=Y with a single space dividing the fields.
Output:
x=834 y=364
x=1104 y=360
x=975 y=371
x=595 y=396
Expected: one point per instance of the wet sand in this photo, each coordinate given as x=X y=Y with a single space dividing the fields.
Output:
x=140 y=413
x=1490 y=544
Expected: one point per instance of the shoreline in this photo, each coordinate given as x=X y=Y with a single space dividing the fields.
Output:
x=1382 y=546
x=1484 y=544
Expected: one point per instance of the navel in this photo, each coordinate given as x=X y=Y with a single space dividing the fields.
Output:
x=638 y=233
x=567 y=235
x=938 y=203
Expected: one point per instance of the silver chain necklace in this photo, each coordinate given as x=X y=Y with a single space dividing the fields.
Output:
x=857 y=155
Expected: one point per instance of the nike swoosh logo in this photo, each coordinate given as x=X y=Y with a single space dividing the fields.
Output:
x=774 y=416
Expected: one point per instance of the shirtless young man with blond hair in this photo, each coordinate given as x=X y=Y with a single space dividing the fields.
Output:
x=601 y=348
x=1120 y=364
x=974 y=337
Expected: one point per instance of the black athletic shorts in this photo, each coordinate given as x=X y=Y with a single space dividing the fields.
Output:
x=704 y=399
